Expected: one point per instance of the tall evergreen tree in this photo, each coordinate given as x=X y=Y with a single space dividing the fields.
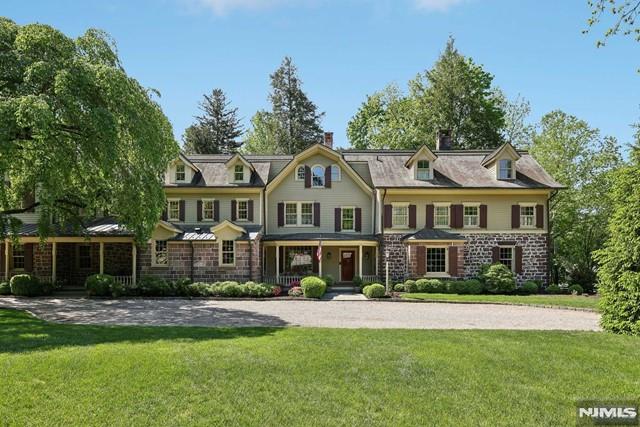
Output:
x=217 y=129
x=297 y=115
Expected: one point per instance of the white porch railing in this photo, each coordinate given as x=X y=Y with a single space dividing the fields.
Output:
x=283 y=280
x=124 y=280
x=45 y=279
x=372 y=278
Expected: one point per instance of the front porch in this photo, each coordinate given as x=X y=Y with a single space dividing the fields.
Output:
x=287 y=262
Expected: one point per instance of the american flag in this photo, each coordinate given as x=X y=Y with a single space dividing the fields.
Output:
x=319 y=251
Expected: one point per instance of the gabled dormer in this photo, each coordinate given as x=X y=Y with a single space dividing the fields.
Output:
x=181 y=171
x=239 y=170
x=420 y=164
x=502 y=162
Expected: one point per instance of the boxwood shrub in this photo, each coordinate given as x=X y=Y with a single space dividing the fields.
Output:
x=529 y=288
x=398 y=287
x=554 y=289
x=375 y=290
x=466 y=287
x=498 y=279
x=576 y=289
x=99 y=285
x=431 y=286
x=25 y=285
x=410 y=286
x=5 y=288
x=313 y=287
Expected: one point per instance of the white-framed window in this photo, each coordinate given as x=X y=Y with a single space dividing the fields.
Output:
x=441 y=216
x=317 y=176
x=423 y=171
x=436 y=260
x=400 y=215
x=506 y=256
x=298 y=214
x=207 y=210
x=348 y=219
x=84 y=256
x=173 y=209
x=300 y=173
x=160 y=253
x=242 y=210
x=306 y=213
x=336 y=173
x=471 y=216
x=227 y=252
x=18 y=257
x=238 y=173
x=527 y=216
x=505 y=169
x=181 y=173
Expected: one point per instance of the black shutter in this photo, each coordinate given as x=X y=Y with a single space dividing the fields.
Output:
x=327 y=177
x=539 y=216
x=358 y=219
x=199 y=210
x=388 y=211
x=412 y=216
x=515 y=216
x=216 y=210
x=421 y=260
x=429 y=220
x=338 y=219
x=280 y=214
x=453 y=261
x=250 y=208
x=316 y=215
x=28 y=257
x=483 y=216
x=307 y=177
x=518 y=255
x=233 y=210
x=182 y=209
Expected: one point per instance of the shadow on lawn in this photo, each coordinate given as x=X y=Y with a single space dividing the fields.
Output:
x=21 y=332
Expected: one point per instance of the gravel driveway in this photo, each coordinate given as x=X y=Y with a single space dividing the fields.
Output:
x=331 y=314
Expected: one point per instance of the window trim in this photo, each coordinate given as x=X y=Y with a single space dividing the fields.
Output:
x=154 y=262
x=304 y=172
x=437 y=205
x=353 y=219
x=471 y=205
x=513 y=256
x=428 y=170
x=322 y=175
x=400 y=205
x=213 y=209
x=299 y=213
x=13 y=258
x=511 y=170
x=238 y=210
x=222 y=252
x=184 y=172
x=335 y=166
x=528 y=205
x=444 y=273
x=169 y=217
x=235 y=172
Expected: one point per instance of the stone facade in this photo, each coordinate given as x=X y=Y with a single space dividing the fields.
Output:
x=534 y=253
x=397 y=251
x=256 y=260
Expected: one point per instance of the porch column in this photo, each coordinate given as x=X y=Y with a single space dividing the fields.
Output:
x=6 y=260
x=320 y=260
x=134 y=255
x=277 y=264
x=376 y=262
x=54 y=266
x=101 y=257
x=360 y=261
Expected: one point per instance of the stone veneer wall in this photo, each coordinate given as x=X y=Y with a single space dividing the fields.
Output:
x=534 y=253
x=397 y=257
x=205 y=263
x=412 y=263
x=256 y=260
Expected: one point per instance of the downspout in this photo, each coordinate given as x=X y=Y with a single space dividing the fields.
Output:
x=250 y=258
x=382 y=253
x=191 y=275
x=549 y=239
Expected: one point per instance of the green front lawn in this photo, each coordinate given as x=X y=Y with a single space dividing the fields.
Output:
x=104 y=375
x=555 y=300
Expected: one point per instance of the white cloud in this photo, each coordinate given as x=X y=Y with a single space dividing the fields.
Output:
x=436 y=5
x=223 y=7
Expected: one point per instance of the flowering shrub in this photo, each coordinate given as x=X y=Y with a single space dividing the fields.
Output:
x=277 y=290
x=296 y=291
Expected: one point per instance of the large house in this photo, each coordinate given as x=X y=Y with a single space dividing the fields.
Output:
x=366 y=213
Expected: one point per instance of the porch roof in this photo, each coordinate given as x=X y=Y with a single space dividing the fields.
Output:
x=194 y=233
x=102 y=227
x=319 y=236
x=433 y=234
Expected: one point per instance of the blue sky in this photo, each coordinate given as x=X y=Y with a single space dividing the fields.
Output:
x=346 y=49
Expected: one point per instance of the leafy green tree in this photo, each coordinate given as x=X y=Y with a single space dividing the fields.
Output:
x=619 y=259
x=516 y=130
x=217 y=129
x=77 y=131
x=624 y=14
x=264 y=136
x=296 y=114
x=578 y=157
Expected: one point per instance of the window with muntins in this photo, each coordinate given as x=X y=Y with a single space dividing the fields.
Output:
x=173 y=210
x=506 y=257
x=160 y=252
x=181 y=173
x=300 y=172
x=505 y=169
x=471 y=216
x=527 y=216
x=84 y=256
x=436 y=260
x=243 y=210
x=238 y=173
x=18 y=257
x=441 y=216
x=348 y=221
x=317 y=176
x=228 y=252
x=423 y=170
x=336 y=173
x=291 y=214
x=298 y=213
x=400 y=216
x=207 y=210
x=306 y=213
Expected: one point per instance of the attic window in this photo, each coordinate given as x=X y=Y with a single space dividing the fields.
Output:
x=317 y=176
x=335 y=173
x=300 y=173
x=238 y=173
x=181 y=174
x=422 y=170
x=505 y=169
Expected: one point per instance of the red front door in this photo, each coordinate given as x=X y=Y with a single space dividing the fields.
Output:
x=346 y=265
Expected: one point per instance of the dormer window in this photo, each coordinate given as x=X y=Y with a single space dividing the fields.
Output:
x=300 y=172
x=181 y=174
x=423 y=172
x=238 y=173
x=317 y=176
x=505 y=169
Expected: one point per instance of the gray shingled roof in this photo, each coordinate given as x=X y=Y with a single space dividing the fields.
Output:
x=103 y=227
x=319 y=236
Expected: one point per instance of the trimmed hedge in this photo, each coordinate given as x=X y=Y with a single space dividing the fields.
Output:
x=498 y=279
x=529 y=288
x=375 y=290
x=398 y=287
x=313 y=287
x=466 y=287
x=554 y=289
x=410 y=286
x=5 y=288
x=25 y=285
x=232 y=289
x=577 y=289
x=431 y=286
x=99 y=285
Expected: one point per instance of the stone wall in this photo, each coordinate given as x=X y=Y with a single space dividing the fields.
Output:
x=534 y=253
x=42 y=258
x=256 y=260
x=206 y=266
x=117 y=259
x=393 y=244
x=412 y=262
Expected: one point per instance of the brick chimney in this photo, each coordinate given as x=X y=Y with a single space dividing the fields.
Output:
x=328 y=139
x=443 y=139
